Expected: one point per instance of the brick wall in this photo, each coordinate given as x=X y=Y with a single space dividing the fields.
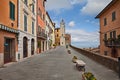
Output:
x=107 y=61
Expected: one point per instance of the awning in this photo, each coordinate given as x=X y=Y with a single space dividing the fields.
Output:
x=3 y=27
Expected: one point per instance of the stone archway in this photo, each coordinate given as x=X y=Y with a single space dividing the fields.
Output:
x=25 y=47
x=32 y=46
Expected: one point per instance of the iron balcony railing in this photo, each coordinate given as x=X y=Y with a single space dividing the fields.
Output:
x=41 y=35
x=112 y=43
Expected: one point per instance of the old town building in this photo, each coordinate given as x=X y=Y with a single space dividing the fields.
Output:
x=27 y=28
x=8 y=31
x=110 y=29
x=62 y=39
x=57 y=36
x=52 y=35
x=50 y=32
x=41 y=34
x=67 y=39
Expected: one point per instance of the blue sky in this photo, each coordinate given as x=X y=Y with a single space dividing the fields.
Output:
x=79 y=16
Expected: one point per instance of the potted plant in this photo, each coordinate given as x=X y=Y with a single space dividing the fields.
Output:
x=74 y=59
x=39 y=47
x=54 y=45
x=88 y=76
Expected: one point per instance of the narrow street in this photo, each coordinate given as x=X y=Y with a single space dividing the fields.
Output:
x=54 y=64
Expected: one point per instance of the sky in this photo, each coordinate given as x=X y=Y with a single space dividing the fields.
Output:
x=79 y=17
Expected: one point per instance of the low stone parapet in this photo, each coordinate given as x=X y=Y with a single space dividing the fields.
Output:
x=109 y=62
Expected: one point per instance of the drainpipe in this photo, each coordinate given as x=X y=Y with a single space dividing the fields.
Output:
x=119 y=66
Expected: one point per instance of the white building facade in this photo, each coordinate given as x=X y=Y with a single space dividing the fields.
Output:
x=27 y=29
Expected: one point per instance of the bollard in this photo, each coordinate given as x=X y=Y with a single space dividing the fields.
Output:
x=119 y=66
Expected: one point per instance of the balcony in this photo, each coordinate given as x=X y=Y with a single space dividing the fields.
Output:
x=112 y=43
x=42 y=35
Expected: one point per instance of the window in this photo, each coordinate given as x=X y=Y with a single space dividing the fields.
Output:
x=113 y=16
x=114 y=34
x=39 y=13
x=105 y=21
x=57 y=35
x=43 y=3
x=39 y=29
x=32 y=27
x=33 y=8
x=25 y=23
x=26 y=2
x=43 y=17
x=110 y=34
x=57 y=30
x=12 y=11
x=105 y=36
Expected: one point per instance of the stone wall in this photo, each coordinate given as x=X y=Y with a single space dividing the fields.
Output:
x=109 y=62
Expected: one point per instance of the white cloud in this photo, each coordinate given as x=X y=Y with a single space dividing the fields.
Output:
x=93 y=7
x=92 y=22
x=56 y=23
x=56 y=5
x=71 y=24
x=79 y=35
x=76 y=1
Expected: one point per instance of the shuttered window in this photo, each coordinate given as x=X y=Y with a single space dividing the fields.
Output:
x=25 y=23
x=105 y=21
x=113 y=16
x=32 y=27
x=12 y=11
x=26 y=2
x=33 y=8
x=114 y=34
x=105 y=36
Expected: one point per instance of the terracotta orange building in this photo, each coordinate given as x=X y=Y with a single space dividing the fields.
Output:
x=41 y=35
x=8 y=31
x=110 y=29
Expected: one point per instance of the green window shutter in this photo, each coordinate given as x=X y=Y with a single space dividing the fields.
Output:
x=33 y=8
x=25 y=23
x=32 y=27
x=12 y=11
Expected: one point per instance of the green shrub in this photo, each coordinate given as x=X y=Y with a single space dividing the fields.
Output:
x=89 y=76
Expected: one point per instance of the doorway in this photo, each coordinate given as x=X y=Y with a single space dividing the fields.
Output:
x=32 y=47
x=9 y=50
x=43 y=45
x=25 y=47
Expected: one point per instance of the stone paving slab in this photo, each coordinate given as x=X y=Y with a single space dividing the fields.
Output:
x=51 y=65
x=54 y=64
x=100 y=71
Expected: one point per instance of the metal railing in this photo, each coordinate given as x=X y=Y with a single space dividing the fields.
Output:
x=42 y=35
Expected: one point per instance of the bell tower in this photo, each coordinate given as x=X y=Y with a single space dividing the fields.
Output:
x=62 y=33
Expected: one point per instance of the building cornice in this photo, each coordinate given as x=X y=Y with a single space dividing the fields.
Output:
x=106 y=8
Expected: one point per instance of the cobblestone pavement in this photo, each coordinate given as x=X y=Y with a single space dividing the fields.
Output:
x=54 y=64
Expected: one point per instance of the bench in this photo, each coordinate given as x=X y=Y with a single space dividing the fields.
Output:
x=80 y=65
